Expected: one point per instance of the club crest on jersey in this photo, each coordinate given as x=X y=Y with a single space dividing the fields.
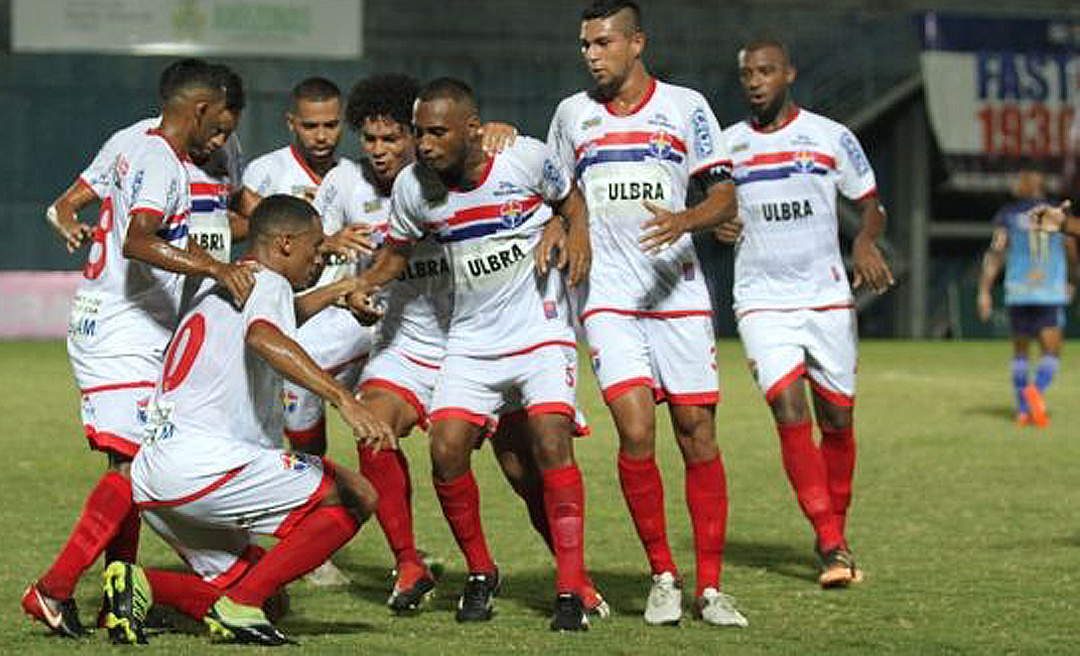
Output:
x=512 y=213
x=289 y=400
x=804 y=161
x=703 y=142
x=141 y=413
x=550 y=310
x=296 y=462
x=660 y=144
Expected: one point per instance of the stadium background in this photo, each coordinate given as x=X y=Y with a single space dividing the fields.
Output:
x=858 y=63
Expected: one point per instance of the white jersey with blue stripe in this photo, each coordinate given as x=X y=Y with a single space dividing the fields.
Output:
x=622 y=161
x=786 y=181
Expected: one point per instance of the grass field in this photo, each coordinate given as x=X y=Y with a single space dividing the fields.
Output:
x=967 y=526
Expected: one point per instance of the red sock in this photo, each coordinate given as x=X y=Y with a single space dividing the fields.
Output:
x=310 y=440
x=125 y=544
x=838 y=450
x=644 y=493
x=182 y=591
x=309 y=544
x=106 y=508
x=460 y=501
x=706 y=498
x=388 y=471
x=805 y=468
x=564 y=499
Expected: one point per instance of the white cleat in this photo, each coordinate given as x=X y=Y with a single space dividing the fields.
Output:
x=718 y=609
x=327 y=575
x=664 y=605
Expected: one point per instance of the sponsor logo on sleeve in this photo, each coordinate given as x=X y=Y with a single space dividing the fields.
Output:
x=553 y=179
x=703 y=144
x=854 y=153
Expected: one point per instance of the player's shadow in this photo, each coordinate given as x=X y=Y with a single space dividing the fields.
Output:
x=779 y=558
x=995 y=411
x=299 y=625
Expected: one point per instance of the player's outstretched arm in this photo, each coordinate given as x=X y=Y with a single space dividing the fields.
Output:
x=665 y=228
x=142 y=243
x=870 y=267
x=316 y=300
x=389 y=264
x=992 y=264
x=63 y=215
x=290 y=360
x=573 y=244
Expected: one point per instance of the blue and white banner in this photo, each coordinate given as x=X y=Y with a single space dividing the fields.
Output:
x=1001 y=93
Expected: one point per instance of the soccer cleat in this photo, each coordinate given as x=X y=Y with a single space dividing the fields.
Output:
x=127 y=601
x=476 y=602
x=235 y=622
x=838 y=569
x=718 y=609
x=664 y=604
x=569 y=614
x=276 y=606
x=60 y=615
x=1037 y=405
x=594 y=603
x=327 y=575
x=1023 y=419
x=414 y=584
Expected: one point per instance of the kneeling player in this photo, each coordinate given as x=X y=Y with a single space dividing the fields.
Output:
x=210 y=474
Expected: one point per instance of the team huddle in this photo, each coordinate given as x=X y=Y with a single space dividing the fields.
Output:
x=440 y=283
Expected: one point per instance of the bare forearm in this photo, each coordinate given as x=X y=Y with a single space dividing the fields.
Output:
x=160 y=254
x=315 y=301
x=293 y=362
x=719 y=206
x=993 y=262
x=388 y=264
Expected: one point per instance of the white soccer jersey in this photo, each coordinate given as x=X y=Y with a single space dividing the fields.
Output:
x=217 y=403
x=125 y=306
x=345 y=197
x=282 y=171
x=622 y=161
x=789 y=254
x=500 y=304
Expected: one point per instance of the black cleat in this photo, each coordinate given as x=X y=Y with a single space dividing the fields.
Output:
x=475 y=603
x=235 y=622
x=60 y=615
x=569 y=614
x=403 y=600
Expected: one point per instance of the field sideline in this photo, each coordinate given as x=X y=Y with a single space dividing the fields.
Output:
x=967 y=526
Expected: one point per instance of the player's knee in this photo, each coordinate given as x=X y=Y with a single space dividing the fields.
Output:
x=551 y=441
x=449 y=456
x=355 y=493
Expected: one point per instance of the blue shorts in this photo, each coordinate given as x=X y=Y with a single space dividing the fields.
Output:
x=1030 y=320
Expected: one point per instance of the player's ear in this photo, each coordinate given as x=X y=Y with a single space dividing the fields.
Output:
x=290 y=120
x=637 y=43
x=791 y=73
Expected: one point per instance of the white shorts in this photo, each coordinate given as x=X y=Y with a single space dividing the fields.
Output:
x=411 y=378
x=115 y=392
x=782 y=345
x=542 y=381
x=212 y=529
x=338 y=344
x=675 y=356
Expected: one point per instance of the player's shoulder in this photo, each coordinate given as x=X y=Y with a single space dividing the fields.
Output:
x=822 y=123
x=272 y=159
x=679 y=93
x=344 y=174
x=574 y=104
x=527 y=148
x=407 y=186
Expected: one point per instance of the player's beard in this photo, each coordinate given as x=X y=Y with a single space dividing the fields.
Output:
x=432 y=186
x=765 y=115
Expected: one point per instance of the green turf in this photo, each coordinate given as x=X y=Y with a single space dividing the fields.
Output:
x=967 y=526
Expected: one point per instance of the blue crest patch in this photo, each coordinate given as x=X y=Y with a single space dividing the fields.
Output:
x=804 y=161
x=703 y=144
x=660 y=144
x=296 y=462
x=512 y=213
x=854 y=153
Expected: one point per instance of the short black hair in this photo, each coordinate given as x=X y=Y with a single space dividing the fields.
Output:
x=382 y=96
x=281 y=213
x=766 y=41
x=190 y=73
x=449 y=88
x=235 y=100
x=608 y=8
x=314 y=89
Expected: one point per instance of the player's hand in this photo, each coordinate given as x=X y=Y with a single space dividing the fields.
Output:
x=367 y=428
x=985 y=305
x=729 y=232
x=238 y=278
x=67 y=225
x=1049 y=218
x=365 y=307
x=552 y=244
x=576 y=259
x=496 y=137
x=661 y=231
x=352 y=241
x=870 y=266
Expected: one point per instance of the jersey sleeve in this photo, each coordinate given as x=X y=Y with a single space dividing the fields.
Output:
x=258 y=176
x=707 y=150
x=99 y=174
x=559 y=142
x=272 y=302
x=551 y=178
x=405 y=218
x=856 y=177
x=155 y=183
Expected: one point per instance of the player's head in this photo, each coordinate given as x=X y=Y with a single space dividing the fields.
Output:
x=287 y=236
x=314 y=119
x=230 y=118
x=380 y=111
x=193 y=99
x=447 y=125
x=1028 y=184
x=766 y=73
x=612 y=42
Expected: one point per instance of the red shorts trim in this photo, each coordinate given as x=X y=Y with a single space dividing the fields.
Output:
x=615 y=390
x=298 y=513
x=464 y=414
x=239 y=568
x=110 y=442
x=405 y=394
x=818 y=308
x=194 y=496
x=553 y=409
x=694 y=398
x=785 y=381
x=117 y=386
x=300 y=437
x=836 y=398
x=647 y=314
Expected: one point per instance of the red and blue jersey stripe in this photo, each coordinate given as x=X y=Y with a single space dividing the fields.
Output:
x=629 y=146
x=483 y=220
x=782 y=165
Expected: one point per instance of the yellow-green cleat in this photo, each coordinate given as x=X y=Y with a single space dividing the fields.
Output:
x=233 y=622
x=127 y=601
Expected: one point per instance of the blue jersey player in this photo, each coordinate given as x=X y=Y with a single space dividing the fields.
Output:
x=1038 y=267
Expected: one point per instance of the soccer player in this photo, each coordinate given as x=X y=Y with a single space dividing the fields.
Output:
x=793 y=303
x=214 y=173
x=634 y=144
x=211 y=475
x=122 y=317
x=398 y=380
x=1038 y=269
x=508 y=335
